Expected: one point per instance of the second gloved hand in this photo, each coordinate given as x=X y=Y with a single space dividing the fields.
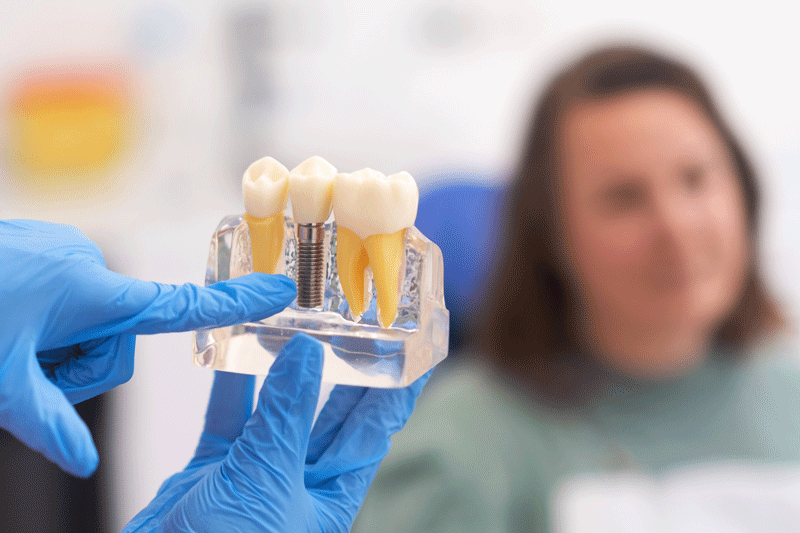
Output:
x=68 y=325
x=270 y=471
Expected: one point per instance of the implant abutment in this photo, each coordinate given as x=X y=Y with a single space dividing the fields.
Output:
x=311 y=265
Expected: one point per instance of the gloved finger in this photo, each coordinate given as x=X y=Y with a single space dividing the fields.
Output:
x=85 y=370
x=229 y=409
x=106 y=303
x=37 y=413
x=341 y=497
x=344 y=471
x=363 y=438
x=341 y=402
x=274 y=441
x=344 y=398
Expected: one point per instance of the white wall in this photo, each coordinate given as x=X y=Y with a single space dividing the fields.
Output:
x=361 y=83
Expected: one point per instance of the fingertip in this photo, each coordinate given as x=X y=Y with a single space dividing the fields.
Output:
x=276 y=282
x=266 y=294
x=245 y=298
x=302 y=354
x=421 y=381
x=304 y=342
x=54 y=428
x=69 y=444
x=78 y=455
x=297 y=370
x=88 y=464
x=287 y=282
x=396 y=405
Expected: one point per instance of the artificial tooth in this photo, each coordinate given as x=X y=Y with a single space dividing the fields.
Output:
x=265 y=186
x=372 y=213
x=311 y=190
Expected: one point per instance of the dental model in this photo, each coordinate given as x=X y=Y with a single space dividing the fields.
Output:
x=311 y=190
x=381 y=256
x=372 y=214
x=265 y=187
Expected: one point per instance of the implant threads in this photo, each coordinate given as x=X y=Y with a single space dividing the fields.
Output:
x=310 y=265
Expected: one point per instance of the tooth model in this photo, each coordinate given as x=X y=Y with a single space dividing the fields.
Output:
x=372 y=214
x=265 y=187
x=390 y=343
x=311 y=191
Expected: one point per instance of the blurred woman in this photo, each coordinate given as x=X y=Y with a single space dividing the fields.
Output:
x=633 y=373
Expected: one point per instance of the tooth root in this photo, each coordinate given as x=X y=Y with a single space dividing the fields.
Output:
x=352 y=261
x=385 y=258
x=266 y=241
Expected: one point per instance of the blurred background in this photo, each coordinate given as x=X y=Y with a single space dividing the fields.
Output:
x=134 y=120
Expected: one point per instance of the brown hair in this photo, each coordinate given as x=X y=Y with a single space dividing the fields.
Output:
x=531 y=335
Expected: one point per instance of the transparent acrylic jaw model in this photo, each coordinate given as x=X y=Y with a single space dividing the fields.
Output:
x=356 y=352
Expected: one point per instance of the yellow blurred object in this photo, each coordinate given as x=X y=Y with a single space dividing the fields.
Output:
x=266 y=241
x=67 y=126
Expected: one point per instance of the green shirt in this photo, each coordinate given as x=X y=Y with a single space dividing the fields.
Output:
x=719 y=448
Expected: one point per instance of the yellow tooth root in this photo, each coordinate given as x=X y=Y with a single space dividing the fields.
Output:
x=385 y=258
x=266 y=241
x=352 y=261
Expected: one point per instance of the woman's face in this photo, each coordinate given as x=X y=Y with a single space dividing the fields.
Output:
x=655 y=227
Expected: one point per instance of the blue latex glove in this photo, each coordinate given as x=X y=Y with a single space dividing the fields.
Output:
x=273 y=472
x=67 y=327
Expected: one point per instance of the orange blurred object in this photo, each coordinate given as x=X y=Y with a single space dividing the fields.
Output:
x=67 y=125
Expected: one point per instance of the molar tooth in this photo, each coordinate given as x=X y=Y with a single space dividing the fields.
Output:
x=265 y=186
x=374 y=210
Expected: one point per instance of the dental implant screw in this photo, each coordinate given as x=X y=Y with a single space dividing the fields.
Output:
x=311 y=265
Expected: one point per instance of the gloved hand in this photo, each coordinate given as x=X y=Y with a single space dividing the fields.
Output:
x=273 y=472
x=67 y=327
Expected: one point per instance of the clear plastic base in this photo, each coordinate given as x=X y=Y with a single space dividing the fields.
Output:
x=358 y=351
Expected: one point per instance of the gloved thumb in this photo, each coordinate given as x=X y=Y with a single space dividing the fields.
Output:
x=276 y=436
x=40 y=416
